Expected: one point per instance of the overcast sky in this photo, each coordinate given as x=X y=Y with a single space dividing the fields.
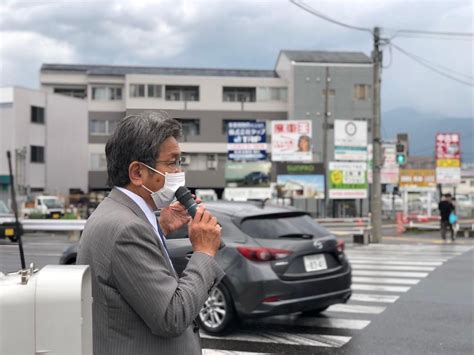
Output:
x=242 y=34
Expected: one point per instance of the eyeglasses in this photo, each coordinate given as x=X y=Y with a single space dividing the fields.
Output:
x=172 y=163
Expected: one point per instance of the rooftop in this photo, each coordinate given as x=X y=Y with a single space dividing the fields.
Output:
x=327 y=57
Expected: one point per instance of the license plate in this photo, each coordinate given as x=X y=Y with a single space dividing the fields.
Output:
x=315 y=262
x=55 y=216
x=9 y=232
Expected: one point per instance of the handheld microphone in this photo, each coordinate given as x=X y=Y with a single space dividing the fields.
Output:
x=183 y=195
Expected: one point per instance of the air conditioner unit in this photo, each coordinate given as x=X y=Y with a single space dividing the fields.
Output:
x=185 y=159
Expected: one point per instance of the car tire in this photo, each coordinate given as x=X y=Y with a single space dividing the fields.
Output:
x=314 y=312
x=217 y=315
x=13 y=239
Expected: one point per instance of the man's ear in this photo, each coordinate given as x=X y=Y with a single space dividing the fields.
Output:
x=135 y=173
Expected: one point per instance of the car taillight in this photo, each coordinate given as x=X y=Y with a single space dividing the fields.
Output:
x=263 y=254
x=340 y=245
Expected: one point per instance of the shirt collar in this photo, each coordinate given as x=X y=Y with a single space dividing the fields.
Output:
x=143 y=205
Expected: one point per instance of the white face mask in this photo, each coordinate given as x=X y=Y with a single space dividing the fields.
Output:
x=166 y=195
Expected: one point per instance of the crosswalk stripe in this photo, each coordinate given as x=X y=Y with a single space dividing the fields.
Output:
x=365 y=287
x=394 y=258
x=394 y=262
x=363 y=297
x=354 y=308
x=384 y=280
x=424 y=253
x=321 y=322
x=388 y=273
x=357 y=266
x=226 y=352
x=302 y=339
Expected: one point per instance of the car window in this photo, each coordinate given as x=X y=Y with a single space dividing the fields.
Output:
x=4 y=208
x=283 y=226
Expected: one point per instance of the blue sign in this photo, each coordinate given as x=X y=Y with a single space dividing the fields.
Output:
x=246 y=140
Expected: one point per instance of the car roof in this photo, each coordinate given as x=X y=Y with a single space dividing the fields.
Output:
x=243 y=210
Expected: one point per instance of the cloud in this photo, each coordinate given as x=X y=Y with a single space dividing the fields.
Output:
x=23 y=52
x=240 y=34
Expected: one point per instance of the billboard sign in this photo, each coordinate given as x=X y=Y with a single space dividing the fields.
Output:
x=448 y=158
x=350 y=140
x=417 y=179
x=348 y=180
x=292 y=141
x=300 y=180
x=246 y=140
x=248 y=174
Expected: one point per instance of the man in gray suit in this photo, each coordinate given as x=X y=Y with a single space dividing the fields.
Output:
x=140 y=305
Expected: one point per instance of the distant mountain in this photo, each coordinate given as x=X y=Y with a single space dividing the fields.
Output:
x=422 y=128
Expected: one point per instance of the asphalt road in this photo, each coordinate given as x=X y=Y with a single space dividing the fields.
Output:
x=413 y=294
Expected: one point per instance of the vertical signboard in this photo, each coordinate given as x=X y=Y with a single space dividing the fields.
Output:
x=448 y=158
x=390 y=169
x=350 y=140
x=291 y=141
x=348 y=180
x=246 y=140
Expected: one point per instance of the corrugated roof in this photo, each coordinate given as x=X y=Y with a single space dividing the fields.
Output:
x=327 y=57
x=108 y=70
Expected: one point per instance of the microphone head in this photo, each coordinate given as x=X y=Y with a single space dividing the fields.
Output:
x=183 y=194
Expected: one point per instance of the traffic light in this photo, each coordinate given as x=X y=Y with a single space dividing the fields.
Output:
x=401 y=154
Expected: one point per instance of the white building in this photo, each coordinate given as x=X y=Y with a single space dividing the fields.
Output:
x=47 y=137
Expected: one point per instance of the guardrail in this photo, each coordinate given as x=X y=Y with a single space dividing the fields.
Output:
x=53 y=225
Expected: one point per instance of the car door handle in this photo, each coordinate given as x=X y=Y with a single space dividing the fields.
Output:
x=188 y=255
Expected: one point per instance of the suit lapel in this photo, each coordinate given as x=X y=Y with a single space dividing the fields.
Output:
x=120 y=197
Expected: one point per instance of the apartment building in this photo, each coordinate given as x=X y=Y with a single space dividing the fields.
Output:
x=302 y=85
x=47 y=136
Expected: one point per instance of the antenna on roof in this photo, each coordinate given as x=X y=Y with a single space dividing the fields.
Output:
x=18 y=227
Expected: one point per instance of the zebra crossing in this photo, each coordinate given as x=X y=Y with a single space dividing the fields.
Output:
x=381 y=275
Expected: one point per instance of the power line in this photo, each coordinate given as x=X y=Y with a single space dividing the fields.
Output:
x=424 y=63
x=440 y=66
x=327 y=18
x=432 y=33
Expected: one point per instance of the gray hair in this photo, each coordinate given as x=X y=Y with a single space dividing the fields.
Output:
x=138 y=137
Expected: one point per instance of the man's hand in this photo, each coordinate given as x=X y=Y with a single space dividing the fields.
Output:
x=204 y=232
x=174 y=216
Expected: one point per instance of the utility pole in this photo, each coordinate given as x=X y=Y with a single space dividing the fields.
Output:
x=376 y=196
x=325 y=143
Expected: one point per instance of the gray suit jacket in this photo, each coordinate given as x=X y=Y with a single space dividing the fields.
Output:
x=140 y=305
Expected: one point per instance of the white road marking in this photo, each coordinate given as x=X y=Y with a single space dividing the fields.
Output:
x=368 y=266
x=394 y=262
x=363 y=297
x=364 y=287
x=321 y=322
x=384 y=280
x=355 y=308
x=302 y=339
x=388 y=273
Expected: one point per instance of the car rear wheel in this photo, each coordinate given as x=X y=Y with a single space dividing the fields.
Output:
x=315 y=312
x=217 y=314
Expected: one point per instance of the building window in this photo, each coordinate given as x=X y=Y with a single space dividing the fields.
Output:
x=37 y=154
x=238 y=94
x=106 y=93
x=271 y=94
x=191 y=126
x=361 y=91
x=211 y=161
x=80 y=93
x=37 y=114
x=98 y=162
x=154 y=90
x=102 y=127
x=182 y=93
x=137 y=90
x=331 y=92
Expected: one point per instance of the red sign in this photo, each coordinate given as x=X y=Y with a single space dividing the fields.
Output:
x=448 y=146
